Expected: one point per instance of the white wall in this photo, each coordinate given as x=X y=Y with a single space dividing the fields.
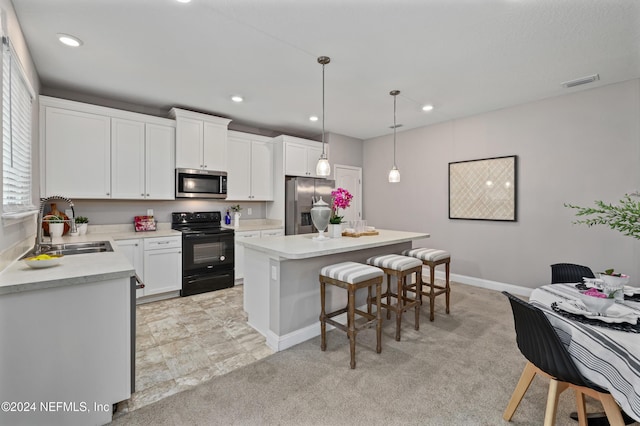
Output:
x=576 y=148
x=17 y=235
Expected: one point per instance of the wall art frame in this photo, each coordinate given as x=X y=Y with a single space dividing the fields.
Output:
x=484 y=189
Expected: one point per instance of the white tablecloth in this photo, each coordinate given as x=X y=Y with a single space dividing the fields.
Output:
x=608 y=358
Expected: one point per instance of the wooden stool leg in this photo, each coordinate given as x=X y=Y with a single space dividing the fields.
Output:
x=432 y=296
x=418 y=291
x=448 y=289
x=369 y=300
x=323 y=316
x=388 y=296
x=399 y=284
x=351 y=309
x=379 y=318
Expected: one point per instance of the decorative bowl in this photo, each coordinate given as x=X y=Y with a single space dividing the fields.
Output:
x=596 y=304
x=615 y=280
x=39 y=262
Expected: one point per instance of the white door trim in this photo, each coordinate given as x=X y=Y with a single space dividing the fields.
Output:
x=358 y=200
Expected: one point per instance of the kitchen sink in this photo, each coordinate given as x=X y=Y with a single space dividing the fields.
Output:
x=74 y=248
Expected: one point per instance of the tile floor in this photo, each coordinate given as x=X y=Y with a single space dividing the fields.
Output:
x=182 y=342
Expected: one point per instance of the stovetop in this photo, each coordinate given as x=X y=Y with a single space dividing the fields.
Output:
x=198 y=222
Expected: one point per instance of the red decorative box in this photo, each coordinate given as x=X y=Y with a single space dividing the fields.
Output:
x=144 y=223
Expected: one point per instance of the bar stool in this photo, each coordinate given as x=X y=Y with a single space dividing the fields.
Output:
x=400 y=267
x=433 y=258
x=351 y=276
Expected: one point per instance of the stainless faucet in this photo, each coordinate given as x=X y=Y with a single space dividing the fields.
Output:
x=43 y=202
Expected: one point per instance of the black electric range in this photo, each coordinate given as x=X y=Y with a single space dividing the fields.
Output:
x=207 y=252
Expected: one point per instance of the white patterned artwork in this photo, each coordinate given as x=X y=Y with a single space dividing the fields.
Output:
x=483 y=189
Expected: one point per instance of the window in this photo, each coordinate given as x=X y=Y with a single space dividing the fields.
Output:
x=17 y=97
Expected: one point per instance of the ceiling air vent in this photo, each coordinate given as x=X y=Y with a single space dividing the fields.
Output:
x=581 y=80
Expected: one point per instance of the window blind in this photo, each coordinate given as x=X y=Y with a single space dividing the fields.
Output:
x=16 y=135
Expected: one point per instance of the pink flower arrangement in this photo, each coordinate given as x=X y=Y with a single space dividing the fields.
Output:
x=593 y=292
x=341 y=200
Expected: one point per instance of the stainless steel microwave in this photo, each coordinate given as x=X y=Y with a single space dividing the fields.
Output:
x=193 y=183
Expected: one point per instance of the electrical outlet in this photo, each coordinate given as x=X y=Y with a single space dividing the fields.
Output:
x=249 y=211
x=149 y=212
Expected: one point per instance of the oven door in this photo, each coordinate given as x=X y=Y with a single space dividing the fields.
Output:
x=207 y=253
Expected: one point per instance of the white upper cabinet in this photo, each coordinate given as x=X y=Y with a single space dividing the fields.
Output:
x=301 y=156
x=75 y=153
x=201 y=140
x=97 y=152
x=250 y=167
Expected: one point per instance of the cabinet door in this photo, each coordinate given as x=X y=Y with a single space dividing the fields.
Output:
x=132 y=249
x=77 y=154
x=160 y=163
x=295 y=160
x=189 y=135
x=313 y=154
x=238 y=259
x=272 y=232
x=127 y=159
x=162 y=271
x=239 y=169
x=261 y=171
x=215 y=147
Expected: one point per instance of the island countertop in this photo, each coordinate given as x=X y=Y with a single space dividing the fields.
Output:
x=304 y=246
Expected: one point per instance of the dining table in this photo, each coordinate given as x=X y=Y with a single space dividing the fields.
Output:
x=605 y=350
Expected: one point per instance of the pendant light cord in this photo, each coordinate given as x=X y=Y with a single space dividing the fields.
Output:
x=394 y=130
x=323 y=110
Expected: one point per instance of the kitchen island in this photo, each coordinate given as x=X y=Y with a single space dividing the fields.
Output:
x=281 y=287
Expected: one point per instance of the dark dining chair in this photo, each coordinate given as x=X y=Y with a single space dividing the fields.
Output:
x=548 y=357
x=569 y=273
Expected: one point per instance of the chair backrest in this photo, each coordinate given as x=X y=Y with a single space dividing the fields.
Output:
x=569 y=273
x=540 y=344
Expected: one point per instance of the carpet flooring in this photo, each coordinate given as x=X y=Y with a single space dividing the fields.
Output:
x=458 y=370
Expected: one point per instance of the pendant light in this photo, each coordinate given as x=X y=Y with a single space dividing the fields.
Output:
x=323 y=168
x=394 y=173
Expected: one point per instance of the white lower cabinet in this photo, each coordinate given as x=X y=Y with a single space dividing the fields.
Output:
x=239 y=249
x=157 y=261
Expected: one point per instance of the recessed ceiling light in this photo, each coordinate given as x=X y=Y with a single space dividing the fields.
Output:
x=69 y=40
x=183 y=1
x=313 y=118
x=427 y=108
x=237 y=98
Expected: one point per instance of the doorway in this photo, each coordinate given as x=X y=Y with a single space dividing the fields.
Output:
x=350 y=178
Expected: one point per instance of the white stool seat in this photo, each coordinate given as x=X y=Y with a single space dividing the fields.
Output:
x=394 y=261
x=351 y=272
x=427 y=254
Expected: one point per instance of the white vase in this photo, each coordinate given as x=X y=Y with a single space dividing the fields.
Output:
x=320 y=214
x=236 y=219
x=335 y=230
x=56 y=229
x=82 y=228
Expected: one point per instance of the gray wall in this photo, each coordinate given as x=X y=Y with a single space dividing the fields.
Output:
x=576 y=148
x=344 y=150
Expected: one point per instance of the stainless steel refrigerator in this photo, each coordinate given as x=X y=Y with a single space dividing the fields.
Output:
x=300 y=194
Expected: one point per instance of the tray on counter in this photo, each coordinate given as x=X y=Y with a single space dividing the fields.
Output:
x=360 y=234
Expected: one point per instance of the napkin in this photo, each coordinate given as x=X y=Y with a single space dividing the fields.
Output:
x=630 y=291
x=349 y=230
x=615 y=314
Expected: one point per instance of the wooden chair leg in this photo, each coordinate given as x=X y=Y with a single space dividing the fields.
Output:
x=582 y=408
x=555 y=389
x=526 y=378
x=611 y=408
x=323 y=316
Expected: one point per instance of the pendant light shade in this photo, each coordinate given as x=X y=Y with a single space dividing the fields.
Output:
x=394 y=173
x=323 y=168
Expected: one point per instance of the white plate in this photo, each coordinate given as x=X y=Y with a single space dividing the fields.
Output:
x=615 y=314
x=32 y=262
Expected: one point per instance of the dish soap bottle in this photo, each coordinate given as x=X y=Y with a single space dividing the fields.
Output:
x=227 y=218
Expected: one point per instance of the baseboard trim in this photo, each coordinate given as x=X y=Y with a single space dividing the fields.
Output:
x=482 y=283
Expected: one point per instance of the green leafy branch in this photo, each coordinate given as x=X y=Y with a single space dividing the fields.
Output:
x=624 y=217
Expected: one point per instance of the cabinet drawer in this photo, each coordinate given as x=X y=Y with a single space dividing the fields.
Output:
x=272 y=232
x=162 y=243
x=247 y=234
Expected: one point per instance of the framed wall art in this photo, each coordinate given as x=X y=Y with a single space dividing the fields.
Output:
x=484 y=189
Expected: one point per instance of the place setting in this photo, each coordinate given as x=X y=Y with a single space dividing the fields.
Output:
x=596 y=303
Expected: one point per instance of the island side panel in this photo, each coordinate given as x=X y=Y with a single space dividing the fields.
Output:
x=67 y=345
x=256 y=289
x=295 y=306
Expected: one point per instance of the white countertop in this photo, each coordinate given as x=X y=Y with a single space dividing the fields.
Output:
x=303 y=246
x=256 y=225
x=79 y=268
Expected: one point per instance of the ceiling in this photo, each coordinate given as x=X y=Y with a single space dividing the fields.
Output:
x=463 y=56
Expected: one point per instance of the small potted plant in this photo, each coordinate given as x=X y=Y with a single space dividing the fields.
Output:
x=55 y=225
x=341 y=199
x=82 y=224
x=236 y=214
